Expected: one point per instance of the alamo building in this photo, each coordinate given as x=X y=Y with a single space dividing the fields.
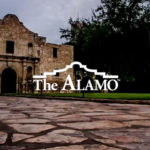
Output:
x=23 y=54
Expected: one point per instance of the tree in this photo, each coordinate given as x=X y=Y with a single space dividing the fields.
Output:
x=115 y=40
x=123 y=15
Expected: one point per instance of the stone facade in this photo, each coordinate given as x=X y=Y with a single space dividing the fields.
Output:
x=23 y=54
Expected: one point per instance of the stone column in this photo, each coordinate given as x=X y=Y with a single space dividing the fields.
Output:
x=24 y=73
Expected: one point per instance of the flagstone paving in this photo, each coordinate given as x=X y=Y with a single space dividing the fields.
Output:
x=37 y=124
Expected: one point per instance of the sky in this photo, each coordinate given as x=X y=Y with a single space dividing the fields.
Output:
x=46 y=17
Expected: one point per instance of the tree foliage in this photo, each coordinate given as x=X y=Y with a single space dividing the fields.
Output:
x=116 y=39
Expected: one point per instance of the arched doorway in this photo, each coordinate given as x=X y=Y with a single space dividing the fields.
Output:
x=8 y=81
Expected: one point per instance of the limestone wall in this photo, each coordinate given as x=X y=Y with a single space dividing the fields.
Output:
x=30 y=50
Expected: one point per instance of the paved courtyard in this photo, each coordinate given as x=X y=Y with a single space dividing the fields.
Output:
x=36 y=124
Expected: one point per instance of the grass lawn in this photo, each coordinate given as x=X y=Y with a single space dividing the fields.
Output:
x=135 y=96
x=107 y=95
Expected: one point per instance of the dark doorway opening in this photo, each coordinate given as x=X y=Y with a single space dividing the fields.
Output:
x=8 y=81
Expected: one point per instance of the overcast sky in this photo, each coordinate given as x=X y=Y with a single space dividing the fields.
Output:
x=45 y=17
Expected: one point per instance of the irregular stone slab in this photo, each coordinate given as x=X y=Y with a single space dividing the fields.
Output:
x=3 y=105
x=138 y=123
x=73 y=117
x=122 y=117
x=59 y=136
x=142 y=113
x=144 y=109
x=12 y=148
x=127 y=139
x=27 y=120
x=54 y=109
x=4 y=111
x=106 y=124
x=106 y=141
x=135 y=146
x=83 y=147
x=19 y=137
x=33 y=110
x=118 y=136
x=3 y=137
x=27 y=108
x=31 y=128
x=46 y=115
x=100 y=114
x=12 y=116
x=95 y=109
